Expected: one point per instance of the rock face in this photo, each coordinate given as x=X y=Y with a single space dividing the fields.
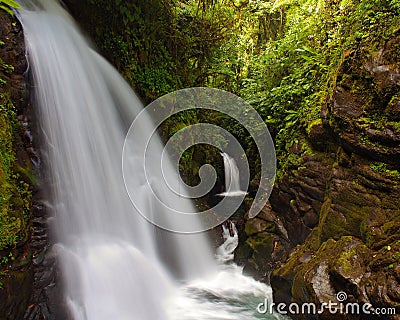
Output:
x=28 y=272
x=16 y=275
x=338 y=212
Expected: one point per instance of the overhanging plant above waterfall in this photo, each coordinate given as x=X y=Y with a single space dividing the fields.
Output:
x=7 y=4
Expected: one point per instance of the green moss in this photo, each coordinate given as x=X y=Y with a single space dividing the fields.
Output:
x=391 y=228
x=366 y=234
x=262 y=244
x=313 y=123
x=243 y=252
x=9 y=224
x=289 y=76
x=323 y=216
x=250 y=229
x=254 y=226
x=15 y=194
x=344 y=260
x=380 y=167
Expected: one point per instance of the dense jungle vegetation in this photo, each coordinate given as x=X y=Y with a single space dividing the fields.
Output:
x=282 y=56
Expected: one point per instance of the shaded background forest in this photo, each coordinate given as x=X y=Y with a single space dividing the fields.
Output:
x=284 y=57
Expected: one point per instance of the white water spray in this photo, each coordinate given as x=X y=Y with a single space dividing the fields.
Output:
x=225 y=252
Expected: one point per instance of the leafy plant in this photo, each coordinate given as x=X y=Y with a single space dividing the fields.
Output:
x=15 y=195
x=281 y=56
x=380 y=167
x=7 y=4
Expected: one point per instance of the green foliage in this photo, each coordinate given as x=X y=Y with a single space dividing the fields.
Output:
x=380 y=167
x=284 y=57
x=6 y=259
x=15 y=194
x=290 y=77
x=159 y=46
x=7 y=4
x=130 y=38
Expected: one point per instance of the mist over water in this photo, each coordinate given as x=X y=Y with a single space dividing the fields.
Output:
x=115 y=264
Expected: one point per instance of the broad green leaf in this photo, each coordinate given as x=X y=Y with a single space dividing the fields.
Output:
x=7 y=9
x=10 y=3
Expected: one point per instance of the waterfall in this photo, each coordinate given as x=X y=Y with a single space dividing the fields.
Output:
x=232 y=178
x=115 y=265
x=109 y=252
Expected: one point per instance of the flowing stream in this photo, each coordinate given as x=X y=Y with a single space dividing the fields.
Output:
x=115 y=264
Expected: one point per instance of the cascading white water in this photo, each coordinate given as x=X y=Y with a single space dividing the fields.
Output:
x=225 y=252
x=225 y=295
x=115 y=264
x=232 y=177
x=104 y=245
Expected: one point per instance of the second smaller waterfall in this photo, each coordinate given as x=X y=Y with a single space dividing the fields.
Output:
x=232 y=178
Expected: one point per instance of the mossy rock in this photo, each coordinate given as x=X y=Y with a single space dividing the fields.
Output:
x=254 y=226
x=243 y=252
x=352 y=261
x=262 y=244
x=393 y=108
x=317 y=277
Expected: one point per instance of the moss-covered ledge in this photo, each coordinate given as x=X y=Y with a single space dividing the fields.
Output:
x=16 y=179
